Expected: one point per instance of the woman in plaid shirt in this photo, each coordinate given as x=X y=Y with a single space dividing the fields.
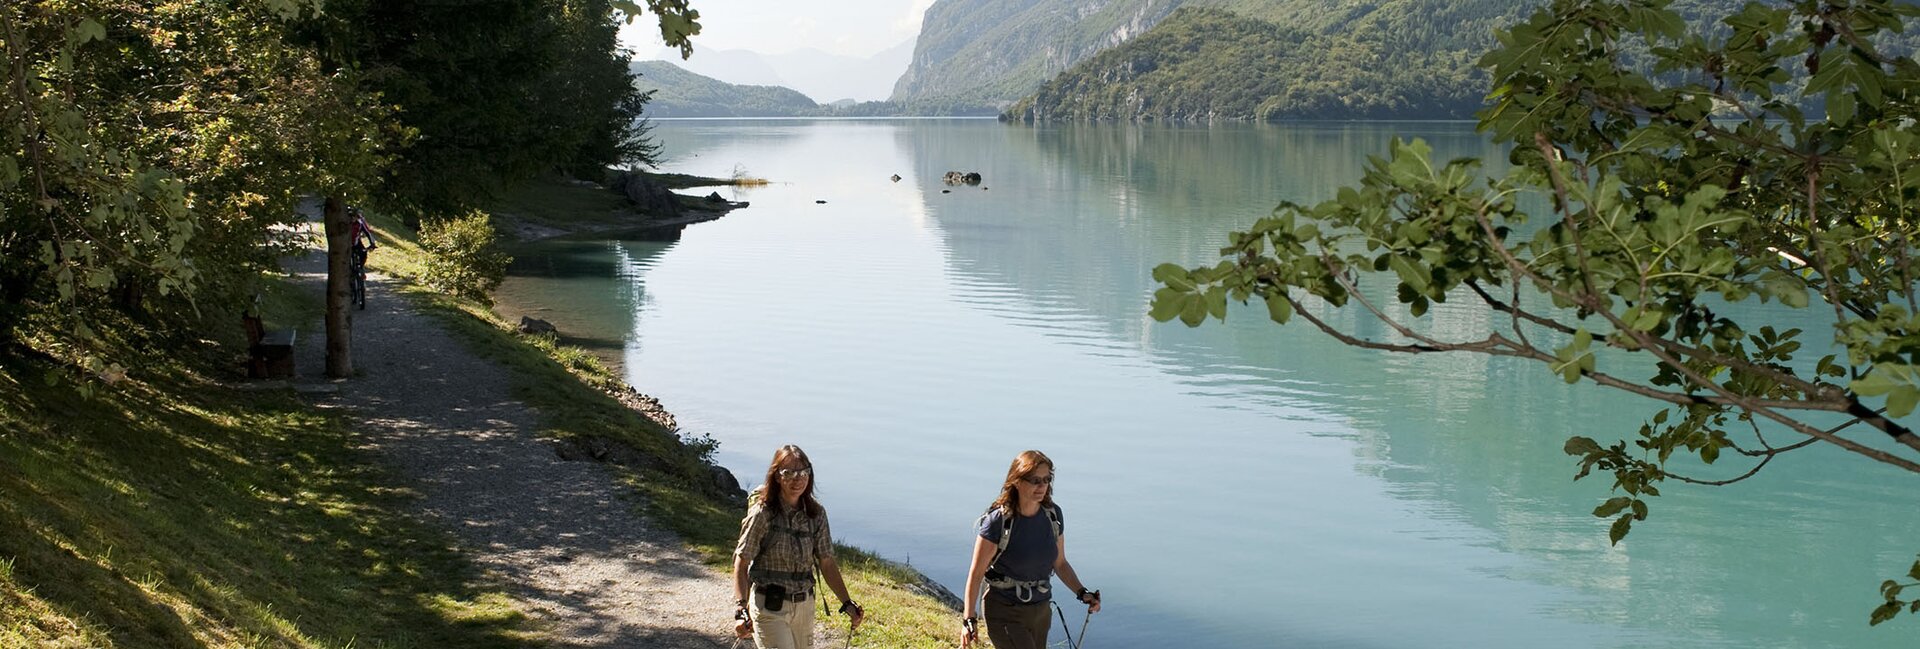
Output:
x=782 y=540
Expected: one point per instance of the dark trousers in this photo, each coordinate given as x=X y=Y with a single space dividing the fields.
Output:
x=1017 y=626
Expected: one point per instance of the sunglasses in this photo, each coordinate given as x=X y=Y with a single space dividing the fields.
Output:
x=793 y=474
x=1037 y=481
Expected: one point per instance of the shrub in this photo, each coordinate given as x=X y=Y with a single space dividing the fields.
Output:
x=462 y=256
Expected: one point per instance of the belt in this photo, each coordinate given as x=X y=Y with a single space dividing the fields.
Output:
x=791 y=597
x=1025 y=591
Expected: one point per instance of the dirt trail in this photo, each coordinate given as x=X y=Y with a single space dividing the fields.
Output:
x=565 y=534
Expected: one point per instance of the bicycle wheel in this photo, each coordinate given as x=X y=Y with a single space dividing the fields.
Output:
x=357 y=287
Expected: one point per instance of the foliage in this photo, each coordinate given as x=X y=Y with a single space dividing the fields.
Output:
x=490 y=92
x=1659 y=216
x=463 y=259
x=147 y=150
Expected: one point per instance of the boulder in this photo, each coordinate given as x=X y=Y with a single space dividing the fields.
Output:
x=535 y=326
x=724 y=483
x=649 y=197
x=961 y=178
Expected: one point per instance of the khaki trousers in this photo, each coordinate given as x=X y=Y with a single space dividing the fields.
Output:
x=791 y=627
x=1018 y=626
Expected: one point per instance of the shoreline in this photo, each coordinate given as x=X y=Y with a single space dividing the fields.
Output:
x=616 y=385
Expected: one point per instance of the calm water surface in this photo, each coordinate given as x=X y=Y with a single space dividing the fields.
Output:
x=1236 y=485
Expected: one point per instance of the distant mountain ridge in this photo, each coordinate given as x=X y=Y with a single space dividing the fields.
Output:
x=824 y=77
x=679 y=93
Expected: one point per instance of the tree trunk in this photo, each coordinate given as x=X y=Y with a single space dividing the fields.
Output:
x=339 y=312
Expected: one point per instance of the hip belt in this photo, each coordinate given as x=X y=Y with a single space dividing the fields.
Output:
x=1025 y=591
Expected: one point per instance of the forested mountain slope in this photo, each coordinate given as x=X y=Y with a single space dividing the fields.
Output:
x=679 y=93
x=1207 y=64
x=1305 y=59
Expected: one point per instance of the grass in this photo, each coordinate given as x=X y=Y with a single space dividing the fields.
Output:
x=173 y=510
x=568 y=387
x=554 y=202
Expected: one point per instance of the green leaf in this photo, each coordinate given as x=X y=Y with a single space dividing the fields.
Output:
x=1883 y=613
x=88 y=30
x=1578 y=445
x=1619 y=530
x=1901 y=400
x=1216 y=298
x=1279 y=309
x=1914 y=572
x=1166 y=304
x=1613 y=506
x=1169 y=273
x=1895 y=380
x=1193 y=310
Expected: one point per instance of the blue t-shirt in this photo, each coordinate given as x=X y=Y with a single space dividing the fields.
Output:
x=1029 y=556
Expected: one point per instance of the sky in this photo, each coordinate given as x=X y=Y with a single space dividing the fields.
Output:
x=857 y=28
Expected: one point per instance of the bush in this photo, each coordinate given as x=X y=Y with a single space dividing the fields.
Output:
x=462 y=258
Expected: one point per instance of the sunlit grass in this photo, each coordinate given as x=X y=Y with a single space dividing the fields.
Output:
x=177 y=511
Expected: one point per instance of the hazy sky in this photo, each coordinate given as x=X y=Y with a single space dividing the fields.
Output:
x=849 y=27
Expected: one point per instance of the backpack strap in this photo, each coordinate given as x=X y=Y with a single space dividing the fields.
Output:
x=1006 y=530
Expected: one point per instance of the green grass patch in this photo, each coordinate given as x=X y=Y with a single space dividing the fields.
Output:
x=171 y=510
x=557 y=202
x=568 y=387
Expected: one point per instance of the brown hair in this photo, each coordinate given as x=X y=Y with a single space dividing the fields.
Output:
x=1023 y=464
x=769 y=491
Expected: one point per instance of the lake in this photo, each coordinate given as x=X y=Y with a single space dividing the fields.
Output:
x=1241 y=484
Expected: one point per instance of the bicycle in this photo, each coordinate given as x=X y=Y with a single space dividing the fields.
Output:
x=357 y=278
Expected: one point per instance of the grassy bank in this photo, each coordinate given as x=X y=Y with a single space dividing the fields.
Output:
x=176 y=509
x=570 y=388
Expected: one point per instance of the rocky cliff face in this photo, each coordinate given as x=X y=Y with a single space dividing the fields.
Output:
x=992 y=52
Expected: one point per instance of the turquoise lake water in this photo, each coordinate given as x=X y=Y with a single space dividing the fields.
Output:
x=1237 y=485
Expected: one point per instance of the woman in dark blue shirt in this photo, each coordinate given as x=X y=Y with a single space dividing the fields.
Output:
x=1020 y=547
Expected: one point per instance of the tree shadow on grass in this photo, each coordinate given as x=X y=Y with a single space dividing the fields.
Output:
x=174 y=513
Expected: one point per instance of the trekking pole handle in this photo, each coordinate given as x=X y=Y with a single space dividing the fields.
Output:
x=1088 y=597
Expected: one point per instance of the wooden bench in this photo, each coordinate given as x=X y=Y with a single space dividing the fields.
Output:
x=269 y=351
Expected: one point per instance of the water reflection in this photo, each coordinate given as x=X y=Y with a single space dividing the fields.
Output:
x=915 y=336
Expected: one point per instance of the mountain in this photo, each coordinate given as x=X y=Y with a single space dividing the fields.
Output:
x=822 y=76
x=993 y=52
x=679 y=93
x=1315 y=59
x=1205 y=64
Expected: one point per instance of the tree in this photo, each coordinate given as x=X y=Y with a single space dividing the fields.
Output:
x=145 y=151
x=1681 y=172
x=488 y=93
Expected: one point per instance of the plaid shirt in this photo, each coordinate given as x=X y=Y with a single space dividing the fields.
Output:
x=783 y=547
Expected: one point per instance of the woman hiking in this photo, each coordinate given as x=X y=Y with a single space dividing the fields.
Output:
x=782 y=540
x=1020 y=547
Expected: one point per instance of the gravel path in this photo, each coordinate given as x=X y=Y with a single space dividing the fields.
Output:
x=565 y=534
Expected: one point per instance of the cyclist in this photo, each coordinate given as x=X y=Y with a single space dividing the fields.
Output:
x=358 y=230
x=361 y=236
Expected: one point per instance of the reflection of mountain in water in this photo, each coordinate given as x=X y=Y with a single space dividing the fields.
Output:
x=1077 y=215
x=585 y=288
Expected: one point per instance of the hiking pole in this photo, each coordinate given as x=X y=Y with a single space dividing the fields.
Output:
x=1083 y=621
